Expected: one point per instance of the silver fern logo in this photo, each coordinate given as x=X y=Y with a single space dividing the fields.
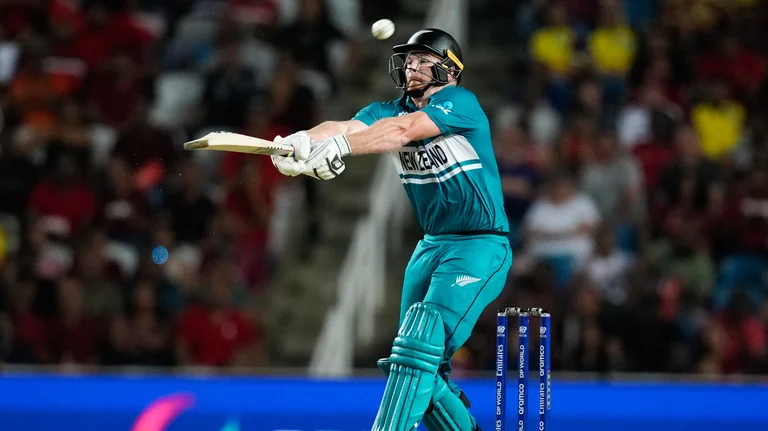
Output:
x=464 y=280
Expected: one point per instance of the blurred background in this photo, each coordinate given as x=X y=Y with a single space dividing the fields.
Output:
x=631 y=138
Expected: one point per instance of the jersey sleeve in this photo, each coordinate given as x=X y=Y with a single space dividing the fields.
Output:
x=454 y=110
x=370 y=114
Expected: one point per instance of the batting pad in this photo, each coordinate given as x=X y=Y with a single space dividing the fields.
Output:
x=415 y=358
x=448 y=412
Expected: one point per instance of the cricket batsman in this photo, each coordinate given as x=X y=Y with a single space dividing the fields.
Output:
x=440 y=141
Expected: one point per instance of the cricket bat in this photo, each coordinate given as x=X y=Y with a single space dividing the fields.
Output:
x=235 y=142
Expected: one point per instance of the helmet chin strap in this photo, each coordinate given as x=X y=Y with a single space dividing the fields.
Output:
x=419 y=92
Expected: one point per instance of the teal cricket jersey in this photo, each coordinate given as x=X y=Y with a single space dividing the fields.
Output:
x=452 y=180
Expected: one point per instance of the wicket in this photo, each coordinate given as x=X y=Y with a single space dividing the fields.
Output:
x=502 y=328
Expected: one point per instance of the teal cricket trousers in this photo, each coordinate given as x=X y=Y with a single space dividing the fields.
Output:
x=458 y=275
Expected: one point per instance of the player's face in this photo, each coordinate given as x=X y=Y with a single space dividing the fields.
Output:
x=418 y=67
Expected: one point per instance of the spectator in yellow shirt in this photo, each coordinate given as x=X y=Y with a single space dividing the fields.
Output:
x=552 y=46
x=552 y=50
x=613 y=44
x=719 y=122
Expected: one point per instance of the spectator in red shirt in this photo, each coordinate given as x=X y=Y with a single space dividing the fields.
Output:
x=741 y=68
x=74 y=335
x=576 y=141
x=247 y=211
x=653 y=157
x=743 y=345
x=97 y=31
x=690 y=184
x=745 y=221
x=64 y=195
x=259 y=122
x=658 y=119
x=215 y=333
x=116 y=90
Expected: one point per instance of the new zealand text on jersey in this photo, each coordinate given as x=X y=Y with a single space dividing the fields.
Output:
x=423 y=160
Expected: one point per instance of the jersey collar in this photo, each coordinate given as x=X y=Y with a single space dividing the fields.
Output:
x=408 y=102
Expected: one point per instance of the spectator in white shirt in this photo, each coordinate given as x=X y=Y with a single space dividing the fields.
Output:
x=608 y=267
x=561 y=223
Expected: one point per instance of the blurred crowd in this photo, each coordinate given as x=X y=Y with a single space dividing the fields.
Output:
x=634 y=159
x=96 y=100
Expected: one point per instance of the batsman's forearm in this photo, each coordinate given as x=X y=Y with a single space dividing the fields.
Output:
x=326 y=130
x=330 y=129
x=383 y=136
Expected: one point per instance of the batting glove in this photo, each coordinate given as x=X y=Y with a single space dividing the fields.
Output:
x=293 y=165
x=325 y=160
x=299 y=141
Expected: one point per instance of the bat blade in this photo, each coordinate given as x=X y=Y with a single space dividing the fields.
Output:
x=235 y=142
